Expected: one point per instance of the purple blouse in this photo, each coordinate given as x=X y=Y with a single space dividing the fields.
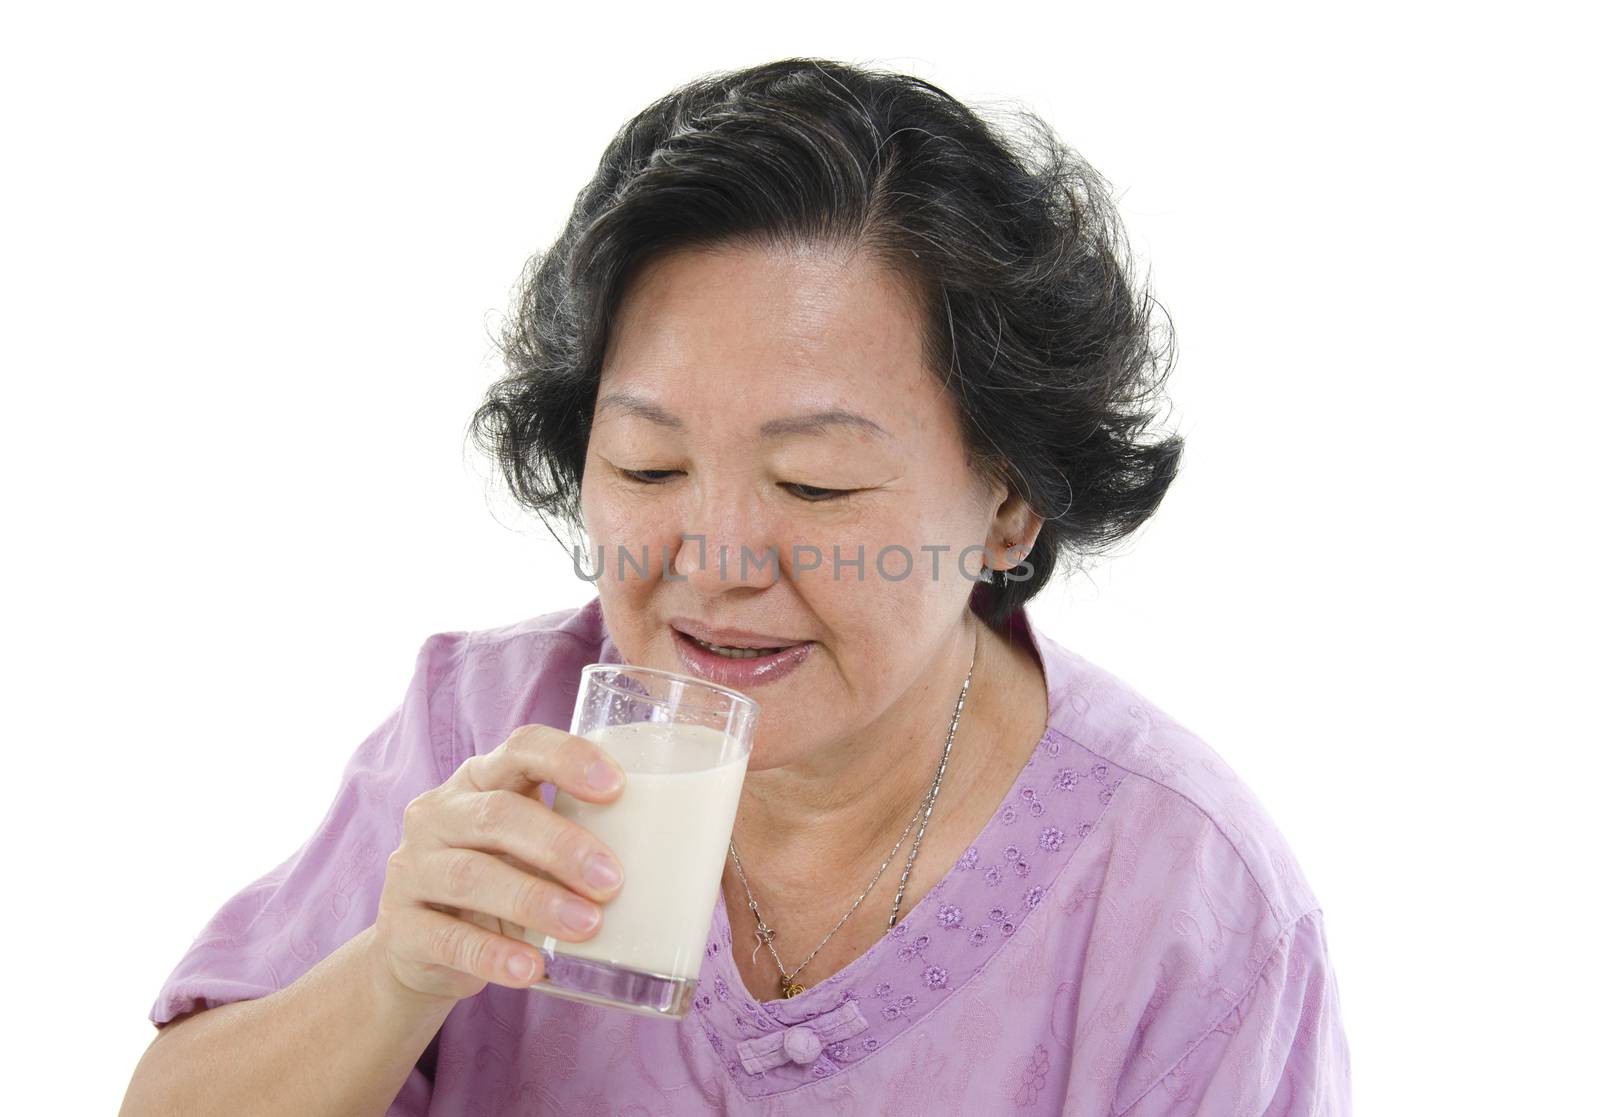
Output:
x=1128 y=935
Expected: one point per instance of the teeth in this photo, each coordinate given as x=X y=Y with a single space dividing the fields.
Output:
x=734 y=653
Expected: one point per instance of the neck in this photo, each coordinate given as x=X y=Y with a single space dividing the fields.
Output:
x=839 y=811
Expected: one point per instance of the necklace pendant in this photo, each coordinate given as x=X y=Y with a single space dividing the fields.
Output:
x=792 y=988
x=764 y=936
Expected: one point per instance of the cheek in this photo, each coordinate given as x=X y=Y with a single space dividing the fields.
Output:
x=619 y=517
x=629 y=610
x=605 y=511
x=609 y=527
x=912 y=573
x=876 y=624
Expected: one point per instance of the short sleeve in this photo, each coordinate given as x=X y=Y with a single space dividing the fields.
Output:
x=278 y=927
x=1280 y=1052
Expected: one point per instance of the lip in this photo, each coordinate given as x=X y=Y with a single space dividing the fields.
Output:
x=741 y=674
x=730 y=637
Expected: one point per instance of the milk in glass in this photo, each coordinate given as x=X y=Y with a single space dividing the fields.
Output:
x=669 y=828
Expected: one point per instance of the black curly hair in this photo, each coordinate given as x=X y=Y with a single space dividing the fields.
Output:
x=1033 y=320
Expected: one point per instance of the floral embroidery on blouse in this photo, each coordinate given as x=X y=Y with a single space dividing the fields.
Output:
x=913 y=948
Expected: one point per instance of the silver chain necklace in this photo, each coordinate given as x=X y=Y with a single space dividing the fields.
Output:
x=765 y=933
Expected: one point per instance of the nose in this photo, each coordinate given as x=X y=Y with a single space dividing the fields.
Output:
x=739 y=551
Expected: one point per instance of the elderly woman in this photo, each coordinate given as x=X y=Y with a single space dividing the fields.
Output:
x=847 y=374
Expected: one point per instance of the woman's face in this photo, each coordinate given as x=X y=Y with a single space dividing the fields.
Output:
x=708 y=348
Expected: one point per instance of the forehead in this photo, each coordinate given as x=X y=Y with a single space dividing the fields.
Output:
x=767 y=330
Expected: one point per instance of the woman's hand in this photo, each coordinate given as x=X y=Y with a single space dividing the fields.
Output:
x=460 y=869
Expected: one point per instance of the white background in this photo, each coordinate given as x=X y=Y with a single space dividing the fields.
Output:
x=251 y=263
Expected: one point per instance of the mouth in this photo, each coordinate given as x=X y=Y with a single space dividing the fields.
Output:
x=732 y=642
x=732 y=651
x=744 y=660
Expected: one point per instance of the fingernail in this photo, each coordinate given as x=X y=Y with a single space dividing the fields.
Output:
x=602 y=871
x=519 y=966
x=603 y=776
x=580 y=915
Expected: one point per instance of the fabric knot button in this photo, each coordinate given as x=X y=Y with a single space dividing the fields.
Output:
x=801 y=1044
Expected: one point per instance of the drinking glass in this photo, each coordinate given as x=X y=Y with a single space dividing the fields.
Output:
x=683 y=744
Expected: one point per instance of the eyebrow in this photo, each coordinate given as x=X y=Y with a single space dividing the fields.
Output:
x=816 y=422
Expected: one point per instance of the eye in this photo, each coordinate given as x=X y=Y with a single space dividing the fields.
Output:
x=811 y=494
x=814 y=495
x=641 y=475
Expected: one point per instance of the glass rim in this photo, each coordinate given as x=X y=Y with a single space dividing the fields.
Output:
x=593 y=670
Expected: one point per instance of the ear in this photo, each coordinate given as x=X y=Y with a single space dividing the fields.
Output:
x=1012 y=533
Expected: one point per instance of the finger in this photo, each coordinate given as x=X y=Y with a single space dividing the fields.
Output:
x=502 y=821
x=453 y=942
x=535 y=754
x=472 y=879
